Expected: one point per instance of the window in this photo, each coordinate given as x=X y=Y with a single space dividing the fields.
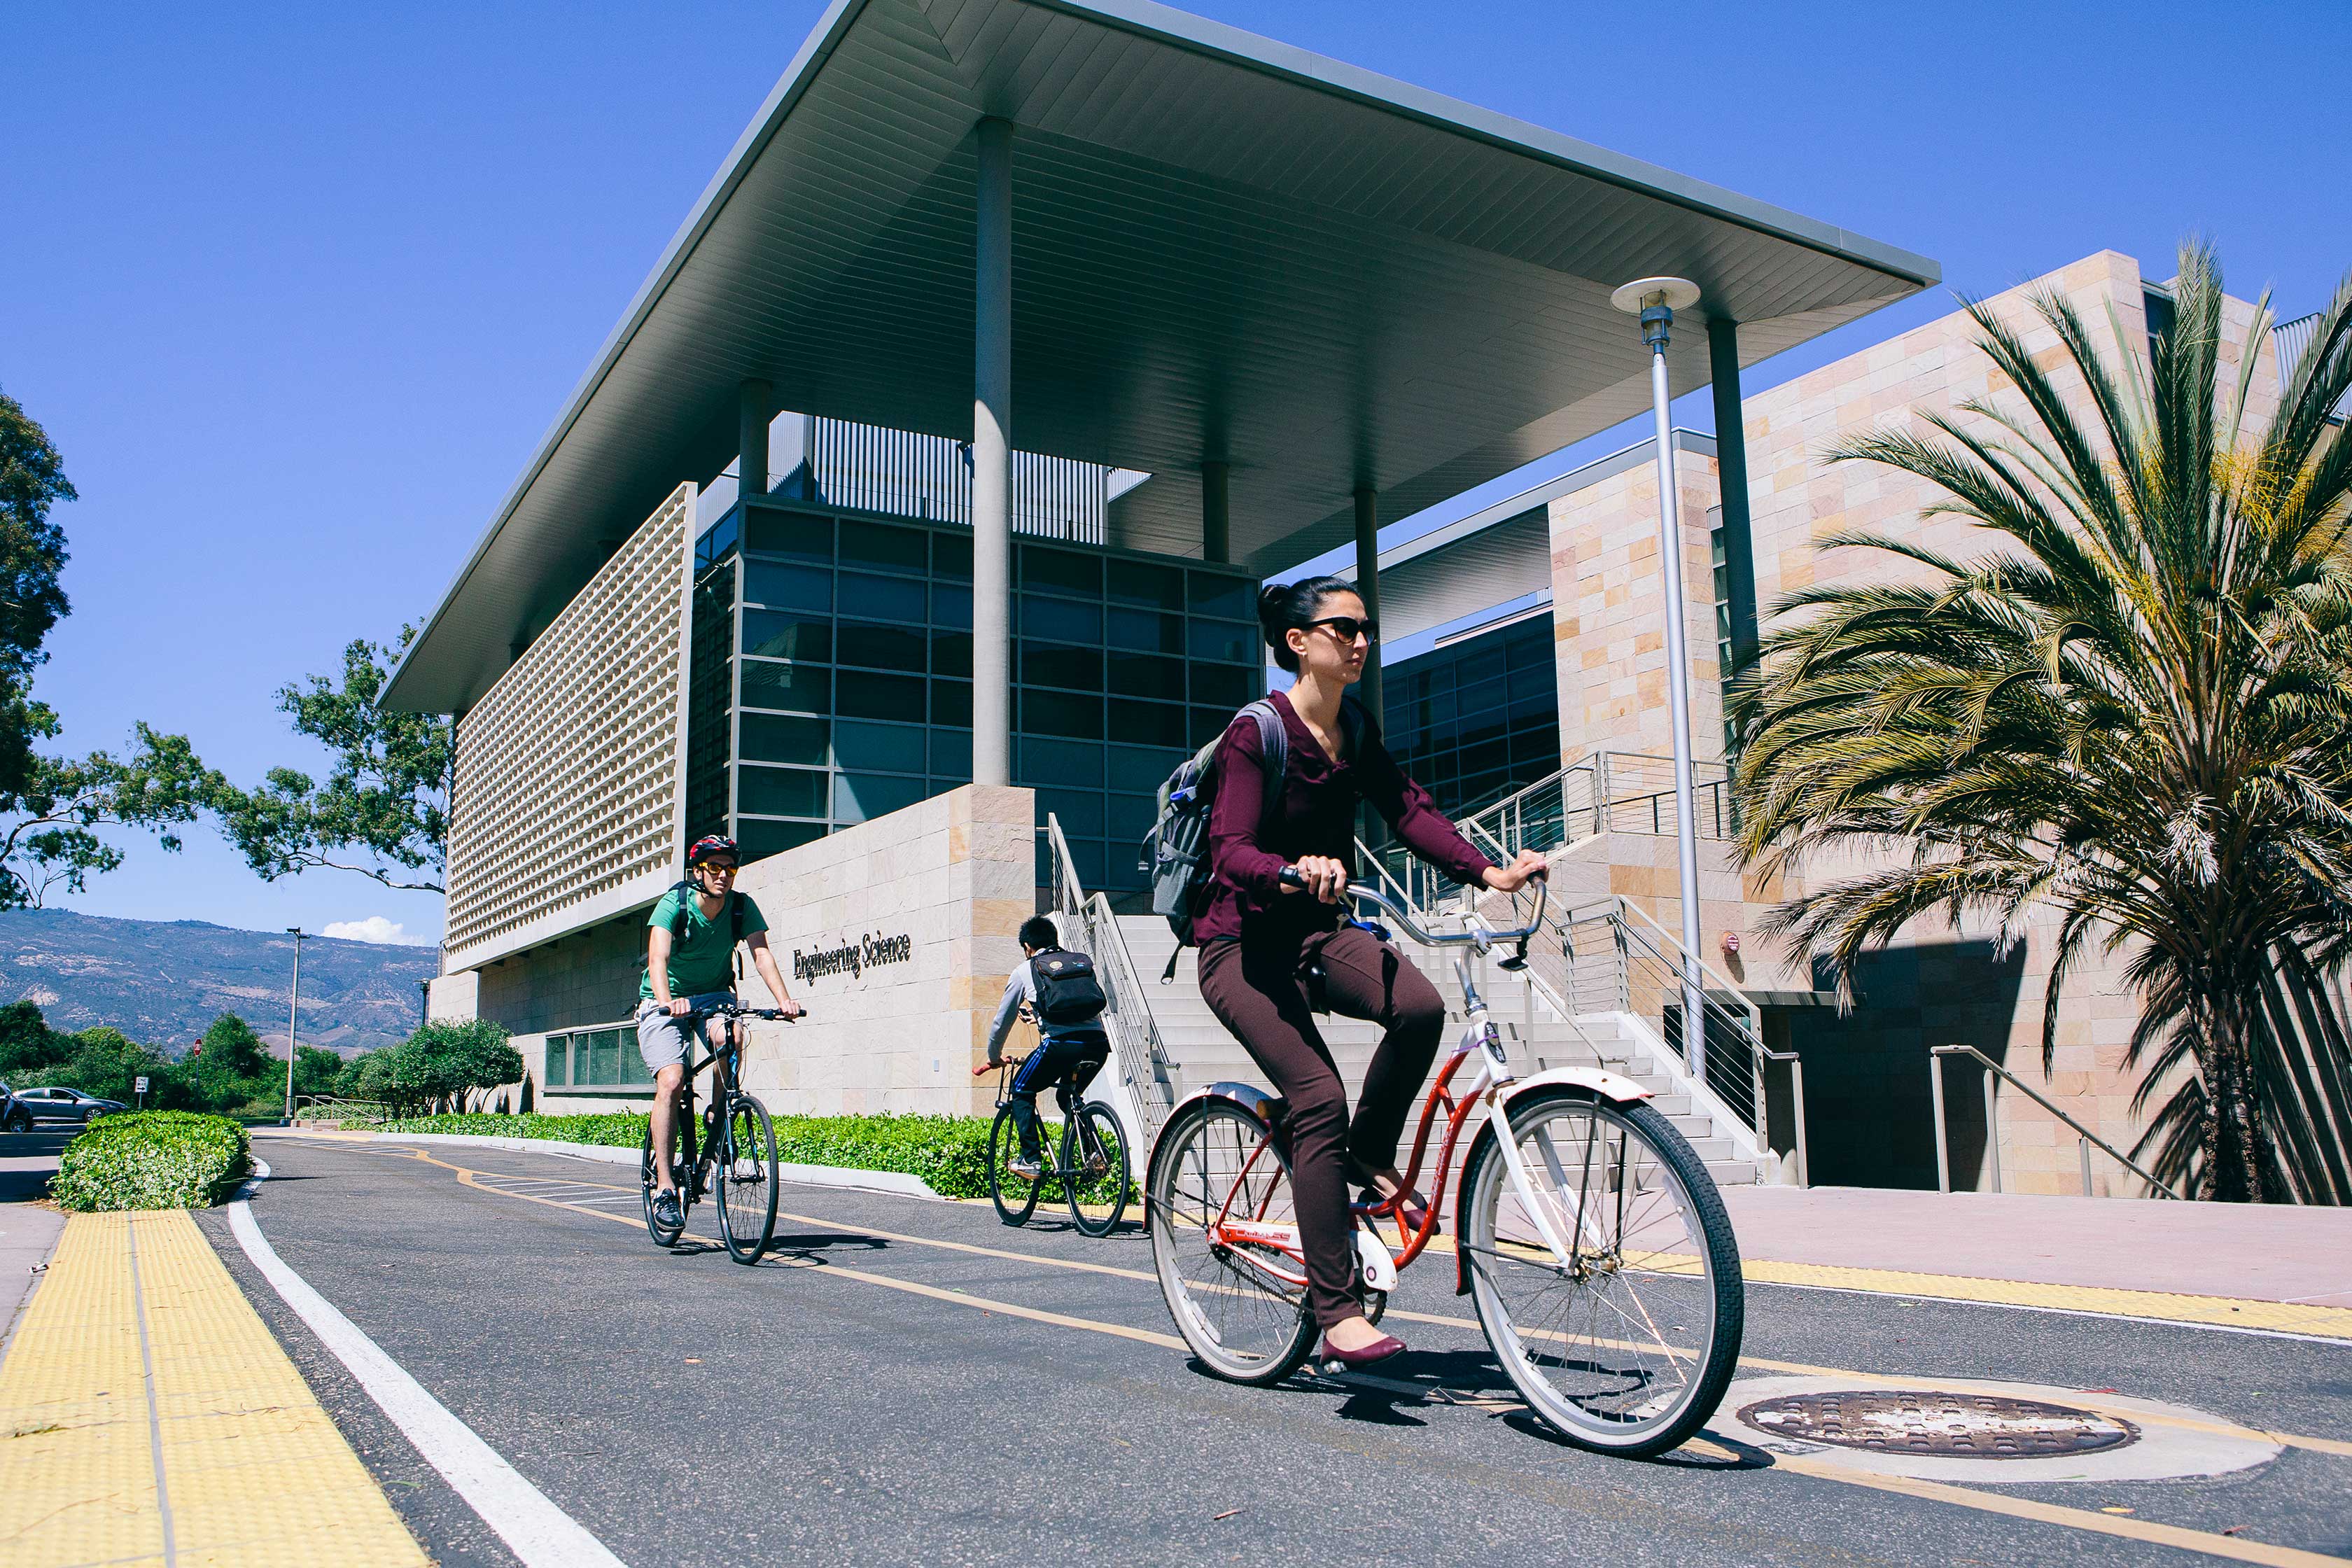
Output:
x=1477 y=719
x=879 y=544
x=791 y=687
x=883 y=647
x=862 y=694
x=801 y=535
x=556 y=1071
x=771 y=635
x=787 y=587
x=780 y=792
x=770 y=738
x=882 y=598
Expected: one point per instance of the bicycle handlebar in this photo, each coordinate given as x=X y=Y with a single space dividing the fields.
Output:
x=1366 y=893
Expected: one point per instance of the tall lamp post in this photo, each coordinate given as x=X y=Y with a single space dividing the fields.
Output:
x=293 y=1025
x=1655 y=301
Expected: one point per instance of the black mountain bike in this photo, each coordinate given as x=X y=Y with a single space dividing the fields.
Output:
x=1091 y=1166
x=737 y=1147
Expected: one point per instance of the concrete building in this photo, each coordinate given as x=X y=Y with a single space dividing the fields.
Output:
x=1291 y=293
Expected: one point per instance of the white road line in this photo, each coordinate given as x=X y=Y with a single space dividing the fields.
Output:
x=541 y=1534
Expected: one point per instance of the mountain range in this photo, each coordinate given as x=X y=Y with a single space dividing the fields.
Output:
x=161 y=983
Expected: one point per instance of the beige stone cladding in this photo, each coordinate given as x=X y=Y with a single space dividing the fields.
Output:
x=1938 y=986
x=569 y=797
x=1607 y=589
x=901 y=1028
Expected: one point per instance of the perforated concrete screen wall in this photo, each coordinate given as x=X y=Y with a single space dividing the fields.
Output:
x=569 y=791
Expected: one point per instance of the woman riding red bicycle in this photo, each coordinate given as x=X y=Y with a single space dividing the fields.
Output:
x=1274 y=953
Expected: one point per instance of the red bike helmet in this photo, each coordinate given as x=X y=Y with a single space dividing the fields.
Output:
x=704 y=848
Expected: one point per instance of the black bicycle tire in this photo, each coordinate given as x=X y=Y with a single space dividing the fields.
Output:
x=1672 y=1150
x=1172 y=1136
x=653 y=1228
x=1003 y=1136
x=1074 y=1138
x=724 y=1165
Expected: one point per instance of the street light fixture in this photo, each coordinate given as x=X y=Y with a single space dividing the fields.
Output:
x=1655 y=301
x=293 y=1023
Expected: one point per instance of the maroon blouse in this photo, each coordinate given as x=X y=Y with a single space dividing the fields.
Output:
x=1315 y=814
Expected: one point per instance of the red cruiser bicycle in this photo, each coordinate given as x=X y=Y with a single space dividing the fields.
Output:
x=1586 y=1229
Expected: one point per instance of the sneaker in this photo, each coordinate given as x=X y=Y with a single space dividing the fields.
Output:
x=666 y=1214
x=1025 y=1168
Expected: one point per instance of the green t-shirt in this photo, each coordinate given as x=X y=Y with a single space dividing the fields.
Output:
x=705 y=959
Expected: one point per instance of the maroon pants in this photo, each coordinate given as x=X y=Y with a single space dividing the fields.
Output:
x=1259 y=990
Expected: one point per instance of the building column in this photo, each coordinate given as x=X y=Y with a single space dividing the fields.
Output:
x=1367 y=588
x=755 y=406
x=1731 y=470
x=1216 y=513
x=991 y=463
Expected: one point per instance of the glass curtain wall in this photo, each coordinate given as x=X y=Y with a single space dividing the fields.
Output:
x=1474 y=720
x=833 y=655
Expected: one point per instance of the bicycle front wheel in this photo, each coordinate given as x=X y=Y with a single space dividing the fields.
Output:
x=1234 y=1303
x=745 y=1165
x=1098 y=1171
x=1015 y=1196
x=1626 y=1345
x=663 y=1234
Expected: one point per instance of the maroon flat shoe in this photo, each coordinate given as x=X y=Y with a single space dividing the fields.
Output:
x=1333 y=1359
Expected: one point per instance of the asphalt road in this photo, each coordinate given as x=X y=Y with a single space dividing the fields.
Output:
x=691 y=1411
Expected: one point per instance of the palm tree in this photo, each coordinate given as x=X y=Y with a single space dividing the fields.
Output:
x=2133 y=713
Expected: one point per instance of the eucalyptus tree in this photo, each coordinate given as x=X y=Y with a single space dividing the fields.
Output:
x=2130 y=716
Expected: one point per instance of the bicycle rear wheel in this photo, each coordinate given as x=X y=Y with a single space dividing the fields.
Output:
x=1098 y=1169
x=745 y=1164
x=1244 y=1322
x=1627 y=1348
x=663 y=1234
x=1015 y=1196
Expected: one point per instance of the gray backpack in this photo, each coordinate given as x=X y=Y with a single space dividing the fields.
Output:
x=1176 y=849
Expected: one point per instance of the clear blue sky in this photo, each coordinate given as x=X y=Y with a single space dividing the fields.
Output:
x=297 y=289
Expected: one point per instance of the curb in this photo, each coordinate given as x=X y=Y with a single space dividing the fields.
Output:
x=897 y=1183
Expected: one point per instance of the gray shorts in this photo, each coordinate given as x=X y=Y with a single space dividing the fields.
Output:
x=662 y=1039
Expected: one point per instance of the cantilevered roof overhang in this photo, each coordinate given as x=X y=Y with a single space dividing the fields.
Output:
x=1224 y=249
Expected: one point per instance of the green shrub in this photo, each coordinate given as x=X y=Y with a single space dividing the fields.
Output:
x=152 y=1159
x=948 y=1153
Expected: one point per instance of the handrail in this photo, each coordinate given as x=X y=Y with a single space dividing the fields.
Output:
x=2083 y=1135
x=1143 y=1063
x=1698 y=961
x=1796 y=1097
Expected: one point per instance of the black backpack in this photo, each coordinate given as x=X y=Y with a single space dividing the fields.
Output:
x=677 y=920
x=1066 y=990
x=1176 y=849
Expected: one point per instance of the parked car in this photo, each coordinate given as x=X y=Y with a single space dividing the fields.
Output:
x=58 y=1104
x=14 y=1117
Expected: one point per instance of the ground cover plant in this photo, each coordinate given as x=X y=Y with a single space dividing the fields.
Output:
x=948 y=1153
x=2133 y=713
x=153 y=1159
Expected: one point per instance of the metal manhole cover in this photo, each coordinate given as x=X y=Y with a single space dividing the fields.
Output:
x=1953 y=1426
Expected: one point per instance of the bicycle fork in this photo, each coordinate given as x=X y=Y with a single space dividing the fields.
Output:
x=1495 y=1077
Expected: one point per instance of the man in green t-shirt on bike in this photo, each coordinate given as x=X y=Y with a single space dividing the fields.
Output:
x=690 y=969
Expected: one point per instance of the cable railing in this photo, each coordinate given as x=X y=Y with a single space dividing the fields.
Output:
x=1606 y=792
x=2083 y=1137
x=1153 y=1081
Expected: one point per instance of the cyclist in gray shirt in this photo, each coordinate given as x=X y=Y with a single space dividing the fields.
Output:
x=1068 y=1055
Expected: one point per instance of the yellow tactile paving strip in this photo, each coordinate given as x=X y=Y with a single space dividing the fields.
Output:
x=253 y=1470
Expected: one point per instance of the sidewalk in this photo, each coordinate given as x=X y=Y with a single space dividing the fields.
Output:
x=147 y=1416
x=2237 y=1265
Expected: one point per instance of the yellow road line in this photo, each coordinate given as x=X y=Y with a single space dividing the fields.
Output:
x=2205 y=1542
x=97 y=1393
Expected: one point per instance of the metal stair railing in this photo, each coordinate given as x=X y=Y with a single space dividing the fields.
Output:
x=1604 y=792
x=2083 y=1137
x=1152 y=1080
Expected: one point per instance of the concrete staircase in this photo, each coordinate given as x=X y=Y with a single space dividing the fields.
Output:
x=1202 y=1051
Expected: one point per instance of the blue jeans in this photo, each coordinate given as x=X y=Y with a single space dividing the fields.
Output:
x=1069 y=1062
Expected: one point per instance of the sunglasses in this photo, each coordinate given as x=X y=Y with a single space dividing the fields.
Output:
x=1347 y=628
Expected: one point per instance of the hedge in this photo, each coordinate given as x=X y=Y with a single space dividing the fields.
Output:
x=153 y=1159
x=949 y=1152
